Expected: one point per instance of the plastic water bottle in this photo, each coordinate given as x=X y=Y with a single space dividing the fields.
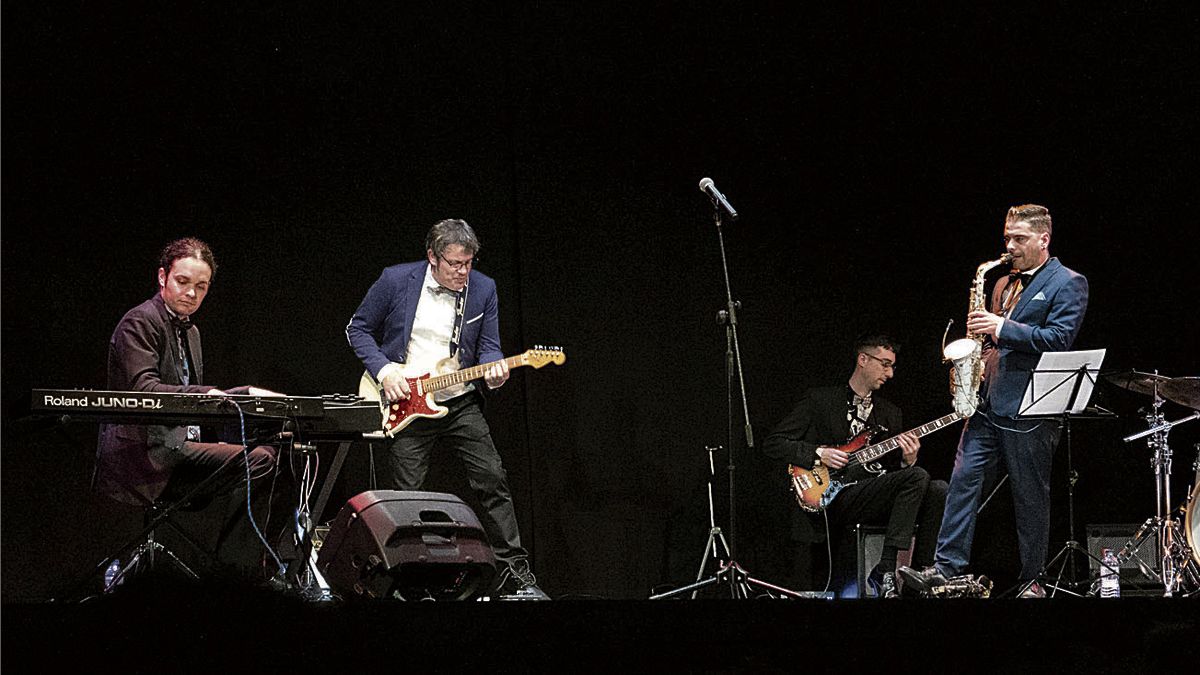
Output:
x=112 y=575
x=1110 y=581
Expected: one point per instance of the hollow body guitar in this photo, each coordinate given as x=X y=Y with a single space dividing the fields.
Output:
x=399 y=414
x=815 y=488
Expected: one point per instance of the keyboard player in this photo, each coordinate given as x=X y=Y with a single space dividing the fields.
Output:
x=156 y=348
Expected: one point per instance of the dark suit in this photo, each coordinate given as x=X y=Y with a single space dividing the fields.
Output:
x=379 y=332
x=156 y=461
x=1046 y=318
x=380 y=329
x=898 y=499
x=143 y=355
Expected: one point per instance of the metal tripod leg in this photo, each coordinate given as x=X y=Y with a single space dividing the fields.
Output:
x=1071 y=546
x=145 y=558
x=715 y=537
x=741 y=584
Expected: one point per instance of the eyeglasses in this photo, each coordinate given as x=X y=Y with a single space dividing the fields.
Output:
x=458 y=265
x=883 y=362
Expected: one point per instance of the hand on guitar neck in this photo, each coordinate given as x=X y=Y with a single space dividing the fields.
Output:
x=837 y=459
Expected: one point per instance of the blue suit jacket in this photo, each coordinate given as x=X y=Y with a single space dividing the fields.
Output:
x=380 y=329
x=1046 y=319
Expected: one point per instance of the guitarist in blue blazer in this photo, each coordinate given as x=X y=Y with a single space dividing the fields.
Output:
x=1037 y=308
x=436 y=315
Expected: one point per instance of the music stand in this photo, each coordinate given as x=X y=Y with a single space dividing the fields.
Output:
x=1060 y=387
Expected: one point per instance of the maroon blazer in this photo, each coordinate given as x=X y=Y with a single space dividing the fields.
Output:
x=143 y=355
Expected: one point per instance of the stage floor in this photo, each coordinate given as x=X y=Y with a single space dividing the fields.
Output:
x=185 y=629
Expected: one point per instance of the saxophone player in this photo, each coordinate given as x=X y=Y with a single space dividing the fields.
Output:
x=1037 y=308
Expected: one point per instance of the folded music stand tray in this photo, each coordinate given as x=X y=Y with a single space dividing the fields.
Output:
x=1060 y=387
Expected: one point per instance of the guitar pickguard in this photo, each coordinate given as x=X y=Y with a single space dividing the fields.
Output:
x=835 y=486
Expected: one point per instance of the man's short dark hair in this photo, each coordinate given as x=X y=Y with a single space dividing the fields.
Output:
x=1038 y=217
x=869 y=341
x=451 y=231
x=188 y=247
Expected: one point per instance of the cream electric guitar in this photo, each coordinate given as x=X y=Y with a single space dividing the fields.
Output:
x=420 y=403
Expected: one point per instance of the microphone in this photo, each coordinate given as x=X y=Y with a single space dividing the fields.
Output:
x=708 y=188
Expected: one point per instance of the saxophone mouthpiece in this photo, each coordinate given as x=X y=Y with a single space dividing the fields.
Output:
x=1007 y=258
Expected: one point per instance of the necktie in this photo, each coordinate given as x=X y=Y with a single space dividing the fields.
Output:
x=182 y=324
x=183 y=357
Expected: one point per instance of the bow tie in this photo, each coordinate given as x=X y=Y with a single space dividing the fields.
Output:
x=1024 y=278
x=181 y=323
x=864 y=401
x=438 y=288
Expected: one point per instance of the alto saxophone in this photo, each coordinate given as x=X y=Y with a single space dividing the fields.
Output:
x=967 y=353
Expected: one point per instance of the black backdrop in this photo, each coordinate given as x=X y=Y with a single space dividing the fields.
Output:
x=872 y=153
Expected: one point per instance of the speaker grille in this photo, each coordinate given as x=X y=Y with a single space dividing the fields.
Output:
x=1115 y=536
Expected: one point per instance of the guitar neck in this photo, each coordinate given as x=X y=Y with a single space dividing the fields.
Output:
x=874 y=452
x=465 y=375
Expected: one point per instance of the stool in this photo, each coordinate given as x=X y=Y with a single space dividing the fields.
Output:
x=869 y=547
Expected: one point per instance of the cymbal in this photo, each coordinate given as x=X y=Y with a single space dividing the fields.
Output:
x=1183 y=390
x=1142 y=383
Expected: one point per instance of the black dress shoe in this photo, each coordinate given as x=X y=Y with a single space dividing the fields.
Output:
x=922 y=581
x=883 y=583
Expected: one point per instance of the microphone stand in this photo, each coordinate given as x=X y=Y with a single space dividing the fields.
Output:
x=729 y=572
x=733 y=365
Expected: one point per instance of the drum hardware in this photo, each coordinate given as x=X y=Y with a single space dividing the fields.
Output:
x=1179 y=570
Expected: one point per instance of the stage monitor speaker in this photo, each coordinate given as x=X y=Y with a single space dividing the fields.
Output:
x=387 y=544
x=1115 y=536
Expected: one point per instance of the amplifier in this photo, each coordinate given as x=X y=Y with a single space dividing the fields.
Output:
x=1115 y=536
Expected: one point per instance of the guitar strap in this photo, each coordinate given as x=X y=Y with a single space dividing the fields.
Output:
x=460 y=306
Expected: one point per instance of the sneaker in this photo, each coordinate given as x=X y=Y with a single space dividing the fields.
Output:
x=883 y=583
x=922 y=581
x=1033 y=590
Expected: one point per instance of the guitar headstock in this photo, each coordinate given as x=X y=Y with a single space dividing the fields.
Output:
x=540 y=356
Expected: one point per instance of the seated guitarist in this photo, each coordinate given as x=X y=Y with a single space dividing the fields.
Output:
x=415 y=317
x=898 y=498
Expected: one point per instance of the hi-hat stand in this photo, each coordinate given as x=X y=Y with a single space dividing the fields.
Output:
x=1177 y=570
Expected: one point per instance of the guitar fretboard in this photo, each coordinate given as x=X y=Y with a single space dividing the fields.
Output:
x=874 y=452
x=440 y=382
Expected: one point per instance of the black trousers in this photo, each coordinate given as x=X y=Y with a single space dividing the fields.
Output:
x=897 y=500
x=464 y=432
x=238 y=549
